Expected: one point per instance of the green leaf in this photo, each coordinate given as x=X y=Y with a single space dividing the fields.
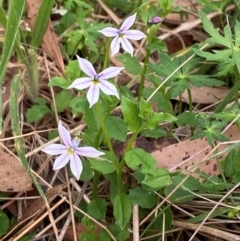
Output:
x=104 y=166
x=157 y=45
x=97 y=208
x=167 y=219
x=236 y=162
x=141 y=161
x=237 y=33
x=37 y=112
x=191 y=183
x=131 y=64
x=71 y=4
x=85 y=236
x=217 y=212
x=41 y=22
x=211 y=56
x=228 y=164
x=159 y=180
x=122 y=210
x=77 y=104
x=4 y=223
x=145 y=110
x=158 y=118
x=130 y=113
x=28 y=237
x=62 y=100
x=16 y=129
x=59 y=81
x=208 y=27
x=90 y=116
x=179 y=196
x=87 y=173
x=164 y=104
x=166 y=67
x=156 y=133
x=201 y=80
x=142 y=197
x=116 y=128
x=104 y=236
x=228 y=115
x=186 y=118
x=73 y=70
x=12 y=23
x=178 y=87
x=88 y=223
x=119 y=234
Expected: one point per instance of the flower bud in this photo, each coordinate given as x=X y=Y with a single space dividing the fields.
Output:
x=155 y=20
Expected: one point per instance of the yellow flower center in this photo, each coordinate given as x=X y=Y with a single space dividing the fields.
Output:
x=70 y=151
x=95 y=80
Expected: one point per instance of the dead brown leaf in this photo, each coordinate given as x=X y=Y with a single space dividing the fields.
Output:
x=13 y=177
x=175 y=156
x=35 y=209
x=205 y=95
x=176 y=18
x=49 y=41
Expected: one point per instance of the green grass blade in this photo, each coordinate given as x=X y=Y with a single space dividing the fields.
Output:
x=15 y=13
x=41 y=22
x=16 y=129
x=3 y=19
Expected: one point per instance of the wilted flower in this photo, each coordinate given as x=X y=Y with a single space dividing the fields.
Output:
x=122 y=35
x=95 y=81
x=155 y=20
x=69 y=150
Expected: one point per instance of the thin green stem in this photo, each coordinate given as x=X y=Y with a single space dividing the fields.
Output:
x=222 y=172
x=190 y=100
x=122 y=162
x=233 y=92
x=170 y=129
x=95 y=183
x=190 y=107
x=143 y=74
x=104 y=130
x=106 y=58
x=236 y=79
x=151 y=35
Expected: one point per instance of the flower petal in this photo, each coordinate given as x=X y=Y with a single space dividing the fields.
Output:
x=55 y=149
x=128 y=22
x=86 y=67
x=109 y=32
x=108 y=88
x=75 y=141
x=76 y=165
x=110 y=72
x=88 y=151
x=64 y=134
x=81 y=83
x=115 y=46
x=61 y=161
x=127 y=46
x=93 y=94
x=134 y=34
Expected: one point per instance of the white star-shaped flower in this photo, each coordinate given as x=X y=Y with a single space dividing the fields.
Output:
x=122 y=35
x=95 y=81
x=70 y=150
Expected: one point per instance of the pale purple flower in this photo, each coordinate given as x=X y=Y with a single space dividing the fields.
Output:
x=122 y=35
x=69 y=150
x=95 y=81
